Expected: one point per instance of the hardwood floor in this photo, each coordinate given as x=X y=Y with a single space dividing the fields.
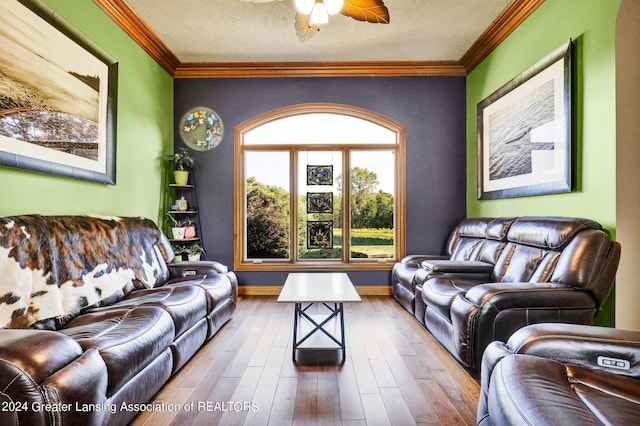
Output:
x=395 y=373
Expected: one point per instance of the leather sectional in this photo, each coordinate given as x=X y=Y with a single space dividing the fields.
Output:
x=501 y=274
x=96 y=318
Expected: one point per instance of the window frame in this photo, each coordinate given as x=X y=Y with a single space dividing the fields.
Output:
x=293 y=263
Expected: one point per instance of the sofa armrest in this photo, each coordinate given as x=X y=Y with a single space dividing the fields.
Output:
x=417 y=259
x=494 y=311
x=494 y=353
x=27 y=359
x=454 y=270
x=202 y=267
x=517 y=295
x=457 y=266
x=608 y=349
x=36 y=353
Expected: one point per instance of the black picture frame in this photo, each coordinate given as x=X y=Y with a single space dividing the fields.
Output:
x=319 y=175
x=320 y=234
x=74 y=98
x=320 y=202
x=524 y=131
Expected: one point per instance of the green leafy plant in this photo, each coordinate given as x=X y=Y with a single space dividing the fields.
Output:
x=195 y=249
x=173 y=222
x=182 y=159
x=180 y=250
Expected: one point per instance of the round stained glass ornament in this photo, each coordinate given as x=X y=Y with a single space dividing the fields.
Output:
x=201 y=129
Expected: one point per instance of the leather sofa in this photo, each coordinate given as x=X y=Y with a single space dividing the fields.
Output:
x=95 y=318
x=500 y=274
x=553 y=374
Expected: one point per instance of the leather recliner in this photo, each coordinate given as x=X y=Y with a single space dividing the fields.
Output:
x=552 y=374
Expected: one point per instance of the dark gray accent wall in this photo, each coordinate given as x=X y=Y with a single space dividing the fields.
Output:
x=432 y=109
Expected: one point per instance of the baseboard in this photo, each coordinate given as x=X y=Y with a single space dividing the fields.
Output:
x=274 y=290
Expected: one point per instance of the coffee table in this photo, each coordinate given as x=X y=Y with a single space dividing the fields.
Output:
x=324 y=331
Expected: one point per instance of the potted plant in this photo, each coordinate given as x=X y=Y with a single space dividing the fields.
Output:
x=177 y=228
x=195 y=252
x=182 y=161
x=178 y=251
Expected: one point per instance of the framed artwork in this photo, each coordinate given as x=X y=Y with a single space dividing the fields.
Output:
x=524 y=132
x=319 y=202
x=319 y=175
x=320 y=234
x=58 y=96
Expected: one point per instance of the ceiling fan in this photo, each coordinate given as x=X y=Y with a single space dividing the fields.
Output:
x=311 y=14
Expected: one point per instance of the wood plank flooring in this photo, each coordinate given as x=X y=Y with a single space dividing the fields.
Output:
x=395 y=373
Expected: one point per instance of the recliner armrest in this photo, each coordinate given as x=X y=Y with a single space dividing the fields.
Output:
x=462 y=266
x=455 y=270
x=608 y=349
x=37 y=353
x=417 y=259
x=202 y=267
x=518 y=295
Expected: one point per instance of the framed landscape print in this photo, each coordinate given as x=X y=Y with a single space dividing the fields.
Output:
x=524 y=132
x=58 y=95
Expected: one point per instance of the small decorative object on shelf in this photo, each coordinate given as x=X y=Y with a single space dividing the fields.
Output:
x=179 y=251
x=177 y=228
x=195 y=252
x=182 y=204
x=182 y=161
x=189 y=230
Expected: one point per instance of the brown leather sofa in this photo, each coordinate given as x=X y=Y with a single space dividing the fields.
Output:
x=95 y=317
x=562 y=374
x=501 y=274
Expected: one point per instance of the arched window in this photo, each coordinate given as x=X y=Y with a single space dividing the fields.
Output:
x=319 y=186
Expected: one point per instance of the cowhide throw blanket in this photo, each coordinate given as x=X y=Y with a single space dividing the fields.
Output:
x=53 y=266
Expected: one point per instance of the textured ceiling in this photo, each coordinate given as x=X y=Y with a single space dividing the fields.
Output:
x=236 y=31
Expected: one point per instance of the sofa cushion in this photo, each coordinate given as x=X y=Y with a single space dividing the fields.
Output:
x=530 y=390
x=438 y=293
x=217 y=288
x=519 y=263
x=185 y=303
x=548 y=232
x=128 y=339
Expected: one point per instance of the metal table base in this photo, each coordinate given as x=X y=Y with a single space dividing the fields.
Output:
x=319 y=332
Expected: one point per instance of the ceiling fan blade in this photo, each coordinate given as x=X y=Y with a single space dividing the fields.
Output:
x=304 y=30
x=366 y=10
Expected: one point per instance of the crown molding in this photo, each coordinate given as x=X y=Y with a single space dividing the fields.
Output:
x=504 y=24
x=127 y=19
x=318 y=69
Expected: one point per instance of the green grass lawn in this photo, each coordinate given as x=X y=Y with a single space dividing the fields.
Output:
x=370 y=240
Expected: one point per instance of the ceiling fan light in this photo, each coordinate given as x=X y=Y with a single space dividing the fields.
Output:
x=305 y=6
x=334 y=6
x=319 y=14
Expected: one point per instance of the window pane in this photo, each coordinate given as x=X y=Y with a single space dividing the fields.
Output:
x=267 y=205
x=320 y=205
x=372 y=204
x=321 y=128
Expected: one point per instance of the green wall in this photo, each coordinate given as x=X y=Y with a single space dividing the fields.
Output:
x=144 y=133
x=591 y=25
